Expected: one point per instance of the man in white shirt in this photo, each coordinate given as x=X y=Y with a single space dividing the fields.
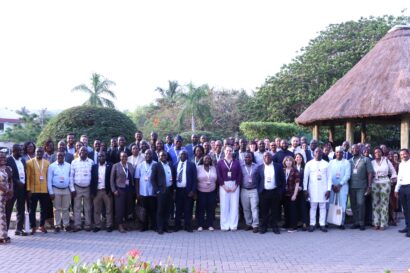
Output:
x=316 y=177
x=80 y=177
x=402 y=189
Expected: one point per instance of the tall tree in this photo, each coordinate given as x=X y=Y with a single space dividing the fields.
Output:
x=169 y=95
x=99 y=88
x=320 y=64
x=194 y=106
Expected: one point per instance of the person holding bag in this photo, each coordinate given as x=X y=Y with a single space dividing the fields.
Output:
x=339 y=175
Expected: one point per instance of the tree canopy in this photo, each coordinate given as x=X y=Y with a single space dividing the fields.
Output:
x=95 y=122
x=99 y=88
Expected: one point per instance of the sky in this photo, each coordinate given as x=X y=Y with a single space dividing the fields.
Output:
x=49 y=47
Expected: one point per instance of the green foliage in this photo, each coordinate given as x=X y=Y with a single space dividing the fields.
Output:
x=193 y=106
x=29 y=129
x=95 y=122
x=252 y=130
x=168 y=96
x=326 y=59
x=131 y=263
x=99 y=88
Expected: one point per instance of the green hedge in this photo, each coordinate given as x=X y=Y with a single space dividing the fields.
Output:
x=252 y=130
x=95 y=122
x=186 y=136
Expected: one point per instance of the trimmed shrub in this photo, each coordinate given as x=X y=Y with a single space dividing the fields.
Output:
x=95 y=122
x=252 y=130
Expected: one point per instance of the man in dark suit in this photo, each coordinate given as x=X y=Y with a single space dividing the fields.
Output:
x=282 y=153
x=161 y=179
x=270 y=180
x=100 y=190
x=112 y=152
x=18 y=166
x=346 y=154
x=185 y=181
x=94 y=154
x=61 y=147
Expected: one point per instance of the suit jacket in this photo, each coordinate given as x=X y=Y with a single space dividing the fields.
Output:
x=190 y=149
x=112 y=155
x=158 y=177
x=118 y=177
x=67 y=158
x=92 y=155
x=280 y=178
x=115 y=155
x=94 y=178
x=16 y=178
x=191 y=177
x=280 y=155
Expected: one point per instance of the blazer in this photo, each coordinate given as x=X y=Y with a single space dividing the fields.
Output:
x=112 y=155
x=67 y=158
x=117 y=178
x=94 y=178
x=191 y=176
x=115 y=154
x=158 y=178
x=280 y=178
x=16 y=179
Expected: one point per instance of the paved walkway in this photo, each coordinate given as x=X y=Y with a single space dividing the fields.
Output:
x=337 y=251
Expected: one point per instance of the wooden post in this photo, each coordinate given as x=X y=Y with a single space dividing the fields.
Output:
x=363 y=133
x=404 y=131
x=331 y=133
x=315 y=132
x=350 y=132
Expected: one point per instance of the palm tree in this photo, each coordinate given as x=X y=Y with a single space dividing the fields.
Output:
x=193 y=104
x=169 y=95
x=99 y=87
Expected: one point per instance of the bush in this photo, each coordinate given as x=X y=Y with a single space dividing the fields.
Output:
x=252 y=130
x=131 y=263
x=95 y=122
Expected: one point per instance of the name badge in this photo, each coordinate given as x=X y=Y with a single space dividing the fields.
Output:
x=319 y=175
x=22 y=178
x=85 y=174
x=354 y=171
x=337 y=175
x=229 y=174
x=250 y=180
x=269 y=179
x=61 y=178
x=146 y=178
x=127 y=182
x=41 y=178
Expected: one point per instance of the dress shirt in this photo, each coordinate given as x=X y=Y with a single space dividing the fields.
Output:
x=71 y=150
x=143 y=173
x=168 y=174
x=247 y=172
x=58 y=176
x=80 y=174
x=101 y=176
x=20 y=168
x=269 y=174
x=258 y=157
x=404 y=175
x=339 y=171
x=182 y=168
x=136 y=160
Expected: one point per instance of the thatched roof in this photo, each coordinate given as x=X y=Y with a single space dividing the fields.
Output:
x=378 y=86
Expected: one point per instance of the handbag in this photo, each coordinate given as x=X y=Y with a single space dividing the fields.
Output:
x=141 y=213
x=335 y=212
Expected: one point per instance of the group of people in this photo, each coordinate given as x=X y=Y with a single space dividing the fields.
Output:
x=158 y=180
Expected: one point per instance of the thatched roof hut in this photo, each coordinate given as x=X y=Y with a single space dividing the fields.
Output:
x=376 y=89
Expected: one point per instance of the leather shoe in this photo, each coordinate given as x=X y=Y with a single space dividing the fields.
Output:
x=276 y=230
x=87 y=229
x=33 y=231
x=76 y=229
x=408 y=234
x=67 y=228
x=342 y=227
x=323 y=229
x=247 y=228
x=255 y=230
x=57 y=230
x=96 y=229
x=160 y=232
x=109 y=229
x=43 y=229
x=262 y=230
x=404 y=230
x=311 y=228
x=355 y=226
x=20 y=233
x=362 y=228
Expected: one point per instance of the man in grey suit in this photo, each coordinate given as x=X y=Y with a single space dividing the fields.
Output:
x=61 y=147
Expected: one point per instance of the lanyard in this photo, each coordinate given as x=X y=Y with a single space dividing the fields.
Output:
x=219 y=157
x=197 y=162
x=249 y=172
x=125 y=171
x=146 y=167
x=38 y=166
x=208 y=173
x=357 y=163
x=230 y=165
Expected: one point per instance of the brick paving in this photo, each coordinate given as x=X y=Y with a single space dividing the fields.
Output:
x=240 y=251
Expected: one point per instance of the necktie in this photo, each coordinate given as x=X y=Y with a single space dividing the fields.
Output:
x=180 y=172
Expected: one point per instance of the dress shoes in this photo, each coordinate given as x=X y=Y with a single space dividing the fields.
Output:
x=57 y=230
x=276 y=230
x=109 y=229
x=323 y=229
x=247 y=228
x=342 y=227
x=43 y=229
x=355 y=226
x=311 y=228
x=255 y=230
x=96 y=229
x=404 y=230
x=262 y=230
x=362 y=228
x=20 y=233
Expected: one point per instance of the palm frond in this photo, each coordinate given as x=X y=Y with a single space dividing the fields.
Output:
x=83 y=88
x=106 y=102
